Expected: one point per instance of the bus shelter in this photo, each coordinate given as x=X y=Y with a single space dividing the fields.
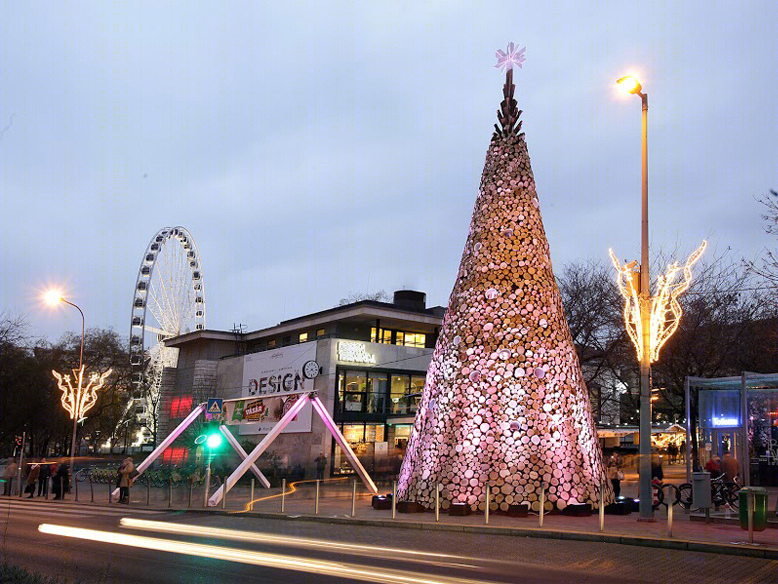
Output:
x=736 y=415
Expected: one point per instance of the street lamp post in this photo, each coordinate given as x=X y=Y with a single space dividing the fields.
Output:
x=52 y=297
x=646 y=495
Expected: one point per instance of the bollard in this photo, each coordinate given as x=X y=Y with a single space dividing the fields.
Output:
x=354 y=498
x=110 y=501
x=49 y=486
x=91 y=490
x=148 y=492
x=602 y=506
x=670 y=514
x=283 y=494
x=750 y=510
x=488 y=501
x=207 y=485
x=251 y=500
x=542 y=503
x=170 y=492
x=394 y=499
x=191 y=486
x=437 y=502
x=75 y=484
x=61 y=488
x=316 y=503
x=224 y=494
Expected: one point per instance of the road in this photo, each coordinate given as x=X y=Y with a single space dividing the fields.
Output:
x=145 y=546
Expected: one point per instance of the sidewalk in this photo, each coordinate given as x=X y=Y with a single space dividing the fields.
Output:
x=335 y=507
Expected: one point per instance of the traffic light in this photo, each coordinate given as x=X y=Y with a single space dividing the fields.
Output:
x=214 y=440
x=211 y=437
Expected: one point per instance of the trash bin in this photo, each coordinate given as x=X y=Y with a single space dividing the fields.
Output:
x=760 y=507
x=701 y=490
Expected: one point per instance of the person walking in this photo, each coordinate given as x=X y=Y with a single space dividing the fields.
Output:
x=125 y=480
x=61 y=480
x=321 y=464
x=614 y=472
x=713 y=466
x=32 y=479
x=730 y=467
x=8 y=476
x=43 y=478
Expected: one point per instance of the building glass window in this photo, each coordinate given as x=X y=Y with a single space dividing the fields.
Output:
x=403 y=338
x=303 y=337
x=399 y=392
x=378 y=388
x=352 y=391
x=320 y=332
x=271 y=344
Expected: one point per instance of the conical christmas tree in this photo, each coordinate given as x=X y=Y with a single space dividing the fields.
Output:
x=505 y=403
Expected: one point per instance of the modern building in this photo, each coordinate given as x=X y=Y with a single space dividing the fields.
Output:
x=373 y=358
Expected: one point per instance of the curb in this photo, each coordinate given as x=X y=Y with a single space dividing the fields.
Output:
x=746 y=550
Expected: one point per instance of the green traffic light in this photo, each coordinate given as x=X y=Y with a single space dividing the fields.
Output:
x=214 y=441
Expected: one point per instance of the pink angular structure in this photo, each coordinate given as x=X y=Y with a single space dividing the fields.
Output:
x=505 y=403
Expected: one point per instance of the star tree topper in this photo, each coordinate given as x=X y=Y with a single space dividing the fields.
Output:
x=514 y=56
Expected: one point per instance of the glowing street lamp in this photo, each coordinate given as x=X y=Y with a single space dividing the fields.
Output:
x=649 y=321
x=77 y=399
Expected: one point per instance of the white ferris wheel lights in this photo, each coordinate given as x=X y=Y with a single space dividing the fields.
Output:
x=168 y=300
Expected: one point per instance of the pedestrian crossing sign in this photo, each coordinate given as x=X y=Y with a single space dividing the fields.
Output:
x=215 y=405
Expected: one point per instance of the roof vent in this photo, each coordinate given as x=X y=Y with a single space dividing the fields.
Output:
x=410 y=300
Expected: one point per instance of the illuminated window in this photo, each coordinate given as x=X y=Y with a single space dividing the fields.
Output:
x=373 y=335
x=400 y=338
x=271 y=344
x=321 y=332
x=180 y=406
x=303 y=337
x=386 y=336
x=415 y=340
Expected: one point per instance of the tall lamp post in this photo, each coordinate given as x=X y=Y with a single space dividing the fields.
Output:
x=650 y=321
x=79 y=398
x=646 y=495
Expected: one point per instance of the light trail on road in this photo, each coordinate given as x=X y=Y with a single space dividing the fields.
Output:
x=298 y=542
x=243 y=556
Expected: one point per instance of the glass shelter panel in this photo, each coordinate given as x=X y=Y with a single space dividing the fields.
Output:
x=719 y=409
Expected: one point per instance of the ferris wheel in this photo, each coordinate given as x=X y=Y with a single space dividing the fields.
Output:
x=168 y=300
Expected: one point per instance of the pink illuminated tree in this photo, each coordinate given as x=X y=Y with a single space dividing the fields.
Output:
x=505 y=403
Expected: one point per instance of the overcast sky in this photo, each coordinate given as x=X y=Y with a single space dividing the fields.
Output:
x=317 y=149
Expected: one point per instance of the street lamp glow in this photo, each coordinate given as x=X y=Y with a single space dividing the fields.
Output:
x=52 y=297
x=629 y=84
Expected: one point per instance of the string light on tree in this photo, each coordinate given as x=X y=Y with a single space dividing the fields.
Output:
x=664 y=309
x=79 y=399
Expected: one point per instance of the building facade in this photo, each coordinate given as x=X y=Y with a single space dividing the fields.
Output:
x=373 y=358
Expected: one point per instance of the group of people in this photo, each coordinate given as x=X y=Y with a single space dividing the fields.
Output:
x=37 y=478
x=727 y=466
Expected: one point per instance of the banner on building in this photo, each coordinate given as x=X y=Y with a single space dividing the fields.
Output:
x=272 y=382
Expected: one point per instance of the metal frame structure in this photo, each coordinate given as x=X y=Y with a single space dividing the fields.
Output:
x=193 y=415
x=320 y=409
x=249 y=460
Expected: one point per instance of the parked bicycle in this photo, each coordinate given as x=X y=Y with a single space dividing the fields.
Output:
x=722 y=492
